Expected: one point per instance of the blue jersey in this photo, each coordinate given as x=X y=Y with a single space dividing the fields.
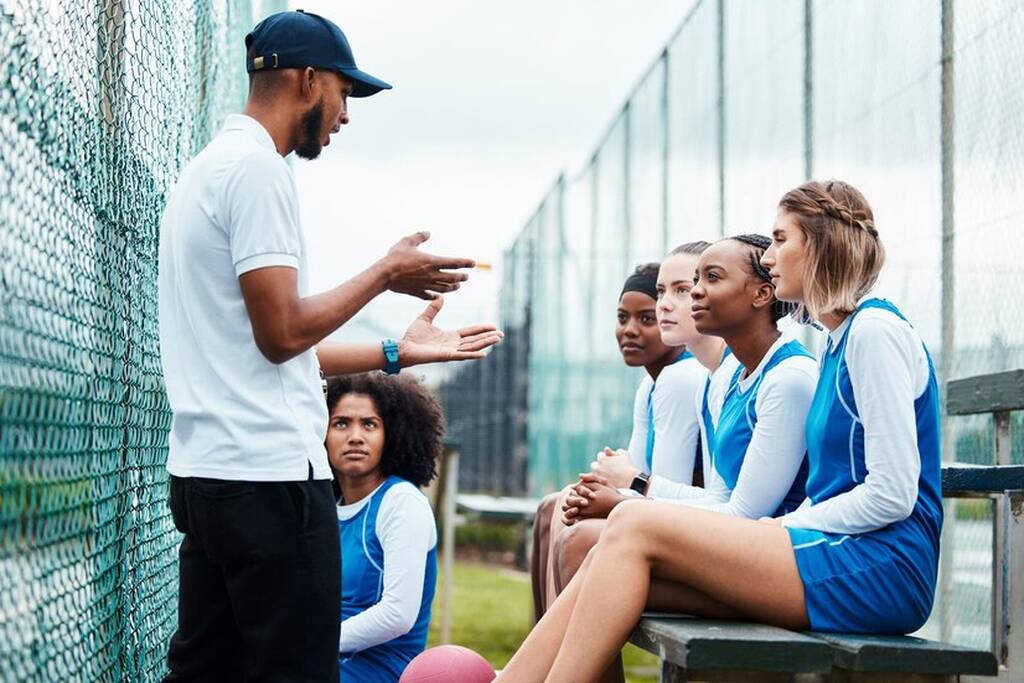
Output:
x=881 y=581
x=362 y=586
x=728 y=440
x=705 y=409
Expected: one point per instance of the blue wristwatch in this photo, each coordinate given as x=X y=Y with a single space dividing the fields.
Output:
x=391 y=365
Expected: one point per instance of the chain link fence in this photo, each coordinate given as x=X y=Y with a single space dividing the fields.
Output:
x=101 y=103
x=918 y=103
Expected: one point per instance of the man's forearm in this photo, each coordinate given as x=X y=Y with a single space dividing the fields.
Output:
x=321 y=314
x=348 y=359
x=292 y=327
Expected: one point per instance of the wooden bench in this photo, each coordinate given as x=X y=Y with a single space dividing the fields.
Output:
x=719 y=651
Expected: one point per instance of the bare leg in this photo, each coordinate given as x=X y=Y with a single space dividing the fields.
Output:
x=570 y=548
x=532 y=661
x=557 y=526
x=713 y=554
x=539 y=557
x=535 y=656
x=568 y=552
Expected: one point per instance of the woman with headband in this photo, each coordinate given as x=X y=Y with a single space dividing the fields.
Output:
x=665 y=437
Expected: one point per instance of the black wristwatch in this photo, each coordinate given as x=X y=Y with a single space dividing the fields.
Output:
x=640 y=483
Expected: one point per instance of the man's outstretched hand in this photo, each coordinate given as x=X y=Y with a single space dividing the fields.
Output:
x=425 y=343
x=417 y=273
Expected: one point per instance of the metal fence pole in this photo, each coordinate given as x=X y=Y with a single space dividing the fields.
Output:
x=627 y=199
x=721 y=117
x=808 y=331
x=808 y=90
x=947 y=314
x=451 y=491
x=666 y=151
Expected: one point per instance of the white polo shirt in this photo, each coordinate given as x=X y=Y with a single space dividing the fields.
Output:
x=236 y=415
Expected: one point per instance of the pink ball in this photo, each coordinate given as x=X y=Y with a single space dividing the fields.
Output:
x=448 y=664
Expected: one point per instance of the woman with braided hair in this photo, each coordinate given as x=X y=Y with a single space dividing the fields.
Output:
x=861 y=555
x=867 y=543
x=668 y=548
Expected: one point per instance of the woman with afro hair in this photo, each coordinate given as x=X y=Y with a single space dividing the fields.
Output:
x=383 y=440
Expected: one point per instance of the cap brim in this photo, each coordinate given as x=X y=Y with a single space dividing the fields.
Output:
x=363 y=84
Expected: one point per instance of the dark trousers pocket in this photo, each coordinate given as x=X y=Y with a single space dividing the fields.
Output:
x=176 y=502
x=299 y=497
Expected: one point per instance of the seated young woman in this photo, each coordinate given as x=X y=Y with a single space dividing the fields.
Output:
x=383 y=440
x=862 y=554
x=665 y=436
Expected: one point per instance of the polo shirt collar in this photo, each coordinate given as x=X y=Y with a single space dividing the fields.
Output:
x=250 y=125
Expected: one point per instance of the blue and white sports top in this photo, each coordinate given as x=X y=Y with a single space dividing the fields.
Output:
x=665 y=438
x=756 y=448
x=388 y=574
x=873 y=436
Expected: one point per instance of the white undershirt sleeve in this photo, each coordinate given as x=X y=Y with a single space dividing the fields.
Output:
x=714 y=488
x=888 y=370
x=407 y=532
x=638 y=439
x=777 y=446
x=676 y=430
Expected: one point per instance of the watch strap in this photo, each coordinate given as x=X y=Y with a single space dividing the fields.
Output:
x=391 y=365
x=639 y=483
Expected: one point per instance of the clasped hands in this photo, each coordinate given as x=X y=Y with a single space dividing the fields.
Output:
x=597 y=492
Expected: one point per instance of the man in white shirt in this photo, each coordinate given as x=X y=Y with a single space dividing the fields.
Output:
x=242 y=352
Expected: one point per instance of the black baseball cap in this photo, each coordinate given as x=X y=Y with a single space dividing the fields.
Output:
x=297 y=39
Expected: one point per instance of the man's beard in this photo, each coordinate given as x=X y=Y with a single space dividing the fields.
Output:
x=310 y=126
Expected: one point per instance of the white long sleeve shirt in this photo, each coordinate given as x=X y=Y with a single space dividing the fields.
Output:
x=888 y=371
x=676 y=429
x=407 y=532
x=662 y=487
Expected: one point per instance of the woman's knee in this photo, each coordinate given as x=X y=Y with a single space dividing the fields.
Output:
x=572 y=545
x=625 y=522
x=545 y=510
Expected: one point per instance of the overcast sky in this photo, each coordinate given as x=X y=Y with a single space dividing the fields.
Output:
x=491 y=101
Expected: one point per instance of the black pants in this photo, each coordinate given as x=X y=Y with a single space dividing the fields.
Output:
x=260 y=571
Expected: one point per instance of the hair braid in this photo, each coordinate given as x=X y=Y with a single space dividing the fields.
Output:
x=844 y=252
x=758 y=244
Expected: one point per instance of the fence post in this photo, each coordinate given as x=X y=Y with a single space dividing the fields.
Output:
x=721 y=117
x=449 y=494
x=947 y=616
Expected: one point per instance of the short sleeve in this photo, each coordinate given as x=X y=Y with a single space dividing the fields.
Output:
x=262 y=213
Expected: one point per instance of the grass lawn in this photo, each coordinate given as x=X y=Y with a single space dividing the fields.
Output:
x=493 y=612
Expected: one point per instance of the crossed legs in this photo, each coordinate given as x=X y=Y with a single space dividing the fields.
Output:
x=670 y=557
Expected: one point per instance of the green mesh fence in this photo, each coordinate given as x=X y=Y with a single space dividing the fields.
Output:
x=101 y=103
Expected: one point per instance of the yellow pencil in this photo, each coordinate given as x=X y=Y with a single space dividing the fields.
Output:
x=480 y=265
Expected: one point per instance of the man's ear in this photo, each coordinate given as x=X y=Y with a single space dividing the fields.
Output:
x=309 y=83
x=764 y=295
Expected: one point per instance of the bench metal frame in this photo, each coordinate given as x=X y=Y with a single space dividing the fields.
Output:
x=998 y=394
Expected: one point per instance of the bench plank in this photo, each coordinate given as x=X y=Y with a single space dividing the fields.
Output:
x=960 y=480
x=497 y=507
x=994 y=393
x=707 y=645
x=854 y=652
